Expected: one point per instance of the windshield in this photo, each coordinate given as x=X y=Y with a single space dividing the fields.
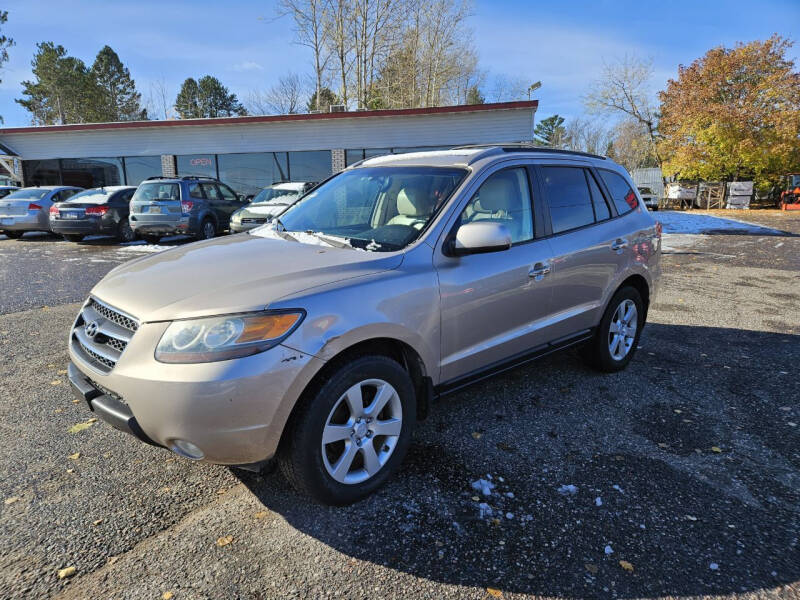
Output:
x=156 y=191
x=31 y=193
x=374 y=208
x=645 y=190
x=95 y=196
x=273 y=195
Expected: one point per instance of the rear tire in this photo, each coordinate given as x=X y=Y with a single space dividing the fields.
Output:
x=125 y=232
x=366 y=410
x=614 y=343
x=151 y=239
x=207 y=230
x=72 y=237
x=14 y=235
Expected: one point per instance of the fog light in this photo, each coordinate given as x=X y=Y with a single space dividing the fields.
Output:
x=187 y=449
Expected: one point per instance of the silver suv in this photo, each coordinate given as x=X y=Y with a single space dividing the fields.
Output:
x=322 y=338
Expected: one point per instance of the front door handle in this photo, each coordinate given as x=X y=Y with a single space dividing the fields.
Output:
x=539 y=270
x=619 y=244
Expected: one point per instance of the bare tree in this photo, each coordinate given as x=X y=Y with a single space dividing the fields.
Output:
x=624 y=88
x=310 y=19
x=340 y=41
x=284 y=98
x=587 y=135
x=505 y=88
x=632 y=146
x=159 y=102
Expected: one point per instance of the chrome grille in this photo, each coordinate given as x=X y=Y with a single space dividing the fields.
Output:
x=101 y=334
x=253 y=220
x=112 y=315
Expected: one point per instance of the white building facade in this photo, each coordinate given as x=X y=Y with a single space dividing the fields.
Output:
x=252 y=152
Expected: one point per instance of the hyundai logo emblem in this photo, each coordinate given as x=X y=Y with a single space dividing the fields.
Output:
x=91 y=329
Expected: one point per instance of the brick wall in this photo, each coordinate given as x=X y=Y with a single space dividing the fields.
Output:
x=168 y=167
x=337 y=160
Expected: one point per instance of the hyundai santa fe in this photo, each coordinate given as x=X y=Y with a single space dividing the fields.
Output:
x=322 y=338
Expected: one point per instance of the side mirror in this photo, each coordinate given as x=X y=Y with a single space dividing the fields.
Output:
x=480 y=237
x=242 y=198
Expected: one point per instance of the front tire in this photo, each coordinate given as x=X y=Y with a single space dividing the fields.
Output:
x=72 y=237
x=350 y=432
x=614 y=343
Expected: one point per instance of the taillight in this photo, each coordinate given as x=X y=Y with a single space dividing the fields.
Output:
x=33 y=206
x=54 y=210
x=659 y=229
x=186 y=206
x=97 y=210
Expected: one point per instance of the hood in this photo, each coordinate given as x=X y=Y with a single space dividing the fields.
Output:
x=262 y=210
x=236 y=273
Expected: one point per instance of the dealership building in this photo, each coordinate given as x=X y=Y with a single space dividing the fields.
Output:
x=250 y=152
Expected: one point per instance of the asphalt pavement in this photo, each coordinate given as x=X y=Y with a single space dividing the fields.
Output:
x=677 y=477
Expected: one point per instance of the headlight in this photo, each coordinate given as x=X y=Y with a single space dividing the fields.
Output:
x=223 y=338
x=237 y=216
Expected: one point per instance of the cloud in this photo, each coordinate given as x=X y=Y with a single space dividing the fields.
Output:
x=248 y=65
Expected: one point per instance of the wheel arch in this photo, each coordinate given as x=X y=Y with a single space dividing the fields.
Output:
x=640 y=284
x=393 y=348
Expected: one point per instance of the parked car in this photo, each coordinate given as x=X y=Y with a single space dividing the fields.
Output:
x=96 y=211
x=648 y=197
x=268 y=203
x=197 y=206
x=27 y=209
x=322 y=338
x=5 y=190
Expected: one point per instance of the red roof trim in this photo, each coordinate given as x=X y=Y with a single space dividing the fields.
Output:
x=278 y=118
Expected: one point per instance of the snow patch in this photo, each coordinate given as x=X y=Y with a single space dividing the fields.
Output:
x=689 y=222
x=483 y=486
x=568 y=490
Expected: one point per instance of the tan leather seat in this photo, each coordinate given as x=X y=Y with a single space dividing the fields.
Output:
x=413 y=208
x=501 y=200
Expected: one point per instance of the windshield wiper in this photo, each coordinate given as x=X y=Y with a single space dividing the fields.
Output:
x=335 y=241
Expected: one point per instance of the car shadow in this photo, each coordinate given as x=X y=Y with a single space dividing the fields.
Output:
x=685 y=467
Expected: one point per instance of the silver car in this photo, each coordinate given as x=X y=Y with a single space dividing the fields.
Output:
x=268 y=203
x=28 y=209
x=323 y=338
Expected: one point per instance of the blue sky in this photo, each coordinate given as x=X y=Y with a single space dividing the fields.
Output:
x=563 y=44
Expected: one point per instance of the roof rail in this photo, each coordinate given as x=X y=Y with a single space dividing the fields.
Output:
x=183 y=177
x=521 y=147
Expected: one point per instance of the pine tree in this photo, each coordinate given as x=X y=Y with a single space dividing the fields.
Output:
x=474 y=96
x=326 y=99
x=550 y=132
x=187 y=104
x=206 y=98
x=64 y=90
x=119 y=100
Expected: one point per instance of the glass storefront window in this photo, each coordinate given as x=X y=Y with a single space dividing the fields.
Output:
x=202 y=165
x=139 y=168
x=41 y=172
x=250 y=172
x=314 y=165
x=92 y=172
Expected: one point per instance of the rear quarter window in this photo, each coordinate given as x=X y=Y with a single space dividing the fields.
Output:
x=621 y=193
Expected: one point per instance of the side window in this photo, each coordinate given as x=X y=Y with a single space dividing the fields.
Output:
x=505 y=198
x=601 y=211
x=63 y=195
x=568 y=197
x=624 y=197
x=195 y=191
x=227 y=193
x=211 y=191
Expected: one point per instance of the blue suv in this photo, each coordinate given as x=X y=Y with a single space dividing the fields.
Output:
x=197 y=206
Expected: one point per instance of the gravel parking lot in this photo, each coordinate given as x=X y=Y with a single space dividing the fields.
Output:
x=677 y=477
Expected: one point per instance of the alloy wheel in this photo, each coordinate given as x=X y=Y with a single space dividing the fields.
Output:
x=622 y=329
x=361 y=431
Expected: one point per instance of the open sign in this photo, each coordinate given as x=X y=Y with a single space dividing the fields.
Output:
x=200 y=162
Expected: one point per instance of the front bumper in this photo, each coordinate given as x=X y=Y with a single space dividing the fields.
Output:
x=242 y=227
x=234 y=411
x=33 y=221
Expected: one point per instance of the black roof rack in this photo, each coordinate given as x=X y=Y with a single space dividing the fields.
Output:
x=522 y=147
x=184 y=177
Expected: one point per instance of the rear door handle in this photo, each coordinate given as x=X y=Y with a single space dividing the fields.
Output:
x=539 y=270
x=619 y=244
